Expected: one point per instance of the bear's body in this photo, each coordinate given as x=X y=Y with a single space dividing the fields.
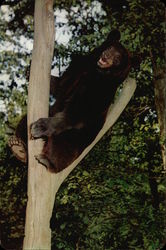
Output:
x=85 y=98
x=83 y=95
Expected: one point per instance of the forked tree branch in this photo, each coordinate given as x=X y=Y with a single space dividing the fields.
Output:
x=43 y=185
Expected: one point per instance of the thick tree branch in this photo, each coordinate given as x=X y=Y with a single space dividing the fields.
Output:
x=40 y=198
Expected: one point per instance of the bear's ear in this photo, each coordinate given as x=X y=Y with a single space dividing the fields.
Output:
x=114 y=35
x=136 y=61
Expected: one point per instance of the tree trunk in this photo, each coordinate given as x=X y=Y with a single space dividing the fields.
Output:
x=40 y=182
x=160 y=101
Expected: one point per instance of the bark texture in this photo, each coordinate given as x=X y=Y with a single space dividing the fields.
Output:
x=40 y=198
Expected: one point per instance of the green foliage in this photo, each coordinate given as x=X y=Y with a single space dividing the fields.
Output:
x=115 y=199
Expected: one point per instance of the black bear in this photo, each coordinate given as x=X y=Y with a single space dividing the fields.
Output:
x=83 y=95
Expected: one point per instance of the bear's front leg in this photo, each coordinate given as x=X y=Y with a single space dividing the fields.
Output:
x=40 y=128
x=45 y=127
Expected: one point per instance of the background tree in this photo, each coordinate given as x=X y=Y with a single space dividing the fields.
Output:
x=121 y=180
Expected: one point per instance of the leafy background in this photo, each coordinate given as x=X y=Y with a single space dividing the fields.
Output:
x=115 y=198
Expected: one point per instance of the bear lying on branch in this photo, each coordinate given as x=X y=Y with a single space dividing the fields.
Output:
x=83 y=95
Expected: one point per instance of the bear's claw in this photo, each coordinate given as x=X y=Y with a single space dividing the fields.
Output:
x=42 y=160
x=18 y=148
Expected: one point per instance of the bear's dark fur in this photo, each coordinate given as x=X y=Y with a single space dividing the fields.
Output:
x=83 y=96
